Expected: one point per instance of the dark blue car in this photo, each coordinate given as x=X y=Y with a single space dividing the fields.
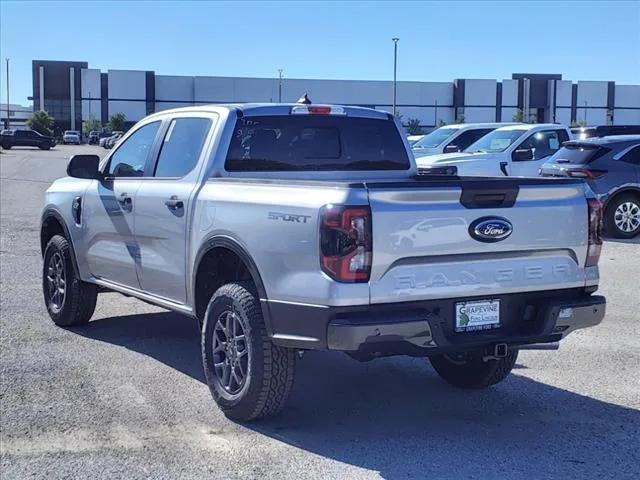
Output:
x=611 y=166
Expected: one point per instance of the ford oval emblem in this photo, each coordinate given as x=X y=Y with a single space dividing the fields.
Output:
x=490 y=229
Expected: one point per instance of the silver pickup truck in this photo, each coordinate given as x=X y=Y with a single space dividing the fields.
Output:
x=285 y=228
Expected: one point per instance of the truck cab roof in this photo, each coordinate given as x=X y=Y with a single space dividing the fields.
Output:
x=269 y=109
x=531 y=127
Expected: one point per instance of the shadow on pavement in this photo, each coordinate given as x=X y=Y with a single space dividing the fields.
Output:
x=396 y=417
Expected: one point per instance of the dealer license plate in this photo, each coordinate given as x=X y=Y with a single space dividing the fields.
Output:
x=477 y=315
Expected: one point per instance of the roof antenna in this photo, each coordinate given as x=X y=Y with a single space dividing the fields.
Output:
x=305 y=100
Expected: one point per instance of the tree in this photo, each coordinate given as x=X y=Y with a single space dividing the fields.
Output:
x=460 y=118
x=441 y=123
x=518 y=116
x=90 y=125
x=413 y=126
x=117 y=122
x=41 y=122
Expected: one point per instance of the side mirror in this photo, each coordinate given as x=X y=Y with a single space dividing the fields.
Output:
x=84 y=166
x=523 y=155
x=451 y=149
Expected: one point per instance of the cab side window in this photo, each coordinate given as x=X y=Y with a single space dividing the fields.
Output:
x=465 y=139
x=130 y=159
x=181 y=146
x=544 y=143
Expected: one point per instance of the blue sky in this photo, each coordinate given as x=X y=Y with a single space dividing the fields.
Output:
x=438 y=41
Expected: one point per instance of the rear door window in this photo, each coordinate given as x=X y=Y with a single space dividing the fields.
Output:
x=310 y=142
x=181 y=146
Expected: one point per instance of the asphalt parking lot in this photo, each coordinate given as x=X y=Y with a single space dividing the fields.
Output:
x=125 y=395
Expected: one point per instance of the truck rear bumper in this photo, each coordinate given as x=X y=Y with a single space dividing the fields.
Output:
x=426 y=328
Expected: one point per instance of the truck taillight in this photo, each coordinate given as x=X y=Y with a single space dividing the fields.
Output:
x=595 y=232
x=345 y=242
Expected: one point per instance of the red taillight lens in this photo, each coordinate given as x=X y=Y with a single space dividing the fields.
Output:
x=585 y=173
x=315 y=110
x=345 y=242
x=595 y=232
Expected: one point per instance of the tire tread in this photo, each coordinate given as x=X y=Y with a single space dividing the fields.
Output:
x=81 y=297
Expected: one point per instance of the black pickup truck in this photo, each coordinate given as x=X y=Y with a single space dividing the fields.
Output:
x=25 y=138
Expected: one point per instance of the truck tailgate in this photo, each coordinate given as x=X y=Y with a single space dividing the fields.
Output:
x=423 y=247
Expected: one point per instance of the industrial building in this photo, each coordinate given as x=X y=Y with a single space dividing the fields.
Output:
x=72 y=92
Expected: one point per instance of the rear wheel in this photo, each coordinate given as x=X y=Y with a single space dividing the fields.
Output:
x=622 y=218
x=471 y=371
x=249 y=377
x=69 y=300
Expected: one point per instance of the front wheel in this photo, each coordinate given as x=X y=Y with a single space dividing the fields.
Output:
x=69 y=300
x=471 y=371
x=249 y=377
x=622 y=218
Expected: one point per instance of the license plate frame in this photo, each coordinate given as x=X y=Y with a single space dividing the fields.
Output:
x=476 y=315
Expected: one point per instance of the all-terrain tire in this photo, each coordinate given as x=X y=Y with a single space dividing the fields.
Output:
x=78 y=303
x=473 y=372
x=628 y=201
x=270 y=369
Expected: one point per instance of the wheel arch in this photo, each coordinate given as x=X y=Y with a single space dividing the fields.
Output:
x=52 y=223
x=213 y=248
x=621 y=191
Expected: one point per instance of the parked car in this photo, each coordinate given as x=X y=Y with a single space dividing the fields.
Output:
x=412 y=139
x=611 y=167
x=514 y=150
x=26 y=138
x=276 y=227
x=71 y=136
x=111 y=141
x=94 y=137
x=452 y=138
x=582 y=133
x=103 y=139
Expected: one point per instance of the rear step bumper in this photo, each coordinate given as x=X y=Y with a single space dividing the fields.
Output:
x=426 y=328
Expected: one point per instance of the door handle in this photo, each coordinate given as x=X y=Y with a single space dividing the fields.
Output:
x=174 y=203
x=124 y=200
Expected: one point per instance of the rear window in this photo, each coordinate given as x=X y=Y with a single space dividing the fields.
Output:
x=578 y=154
x=308 y=142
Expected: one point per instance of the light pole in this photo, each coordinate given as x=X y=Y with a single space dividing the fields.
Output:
x=7 y=124
x=279 y=85
x=395 y=68
x=435 y=115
